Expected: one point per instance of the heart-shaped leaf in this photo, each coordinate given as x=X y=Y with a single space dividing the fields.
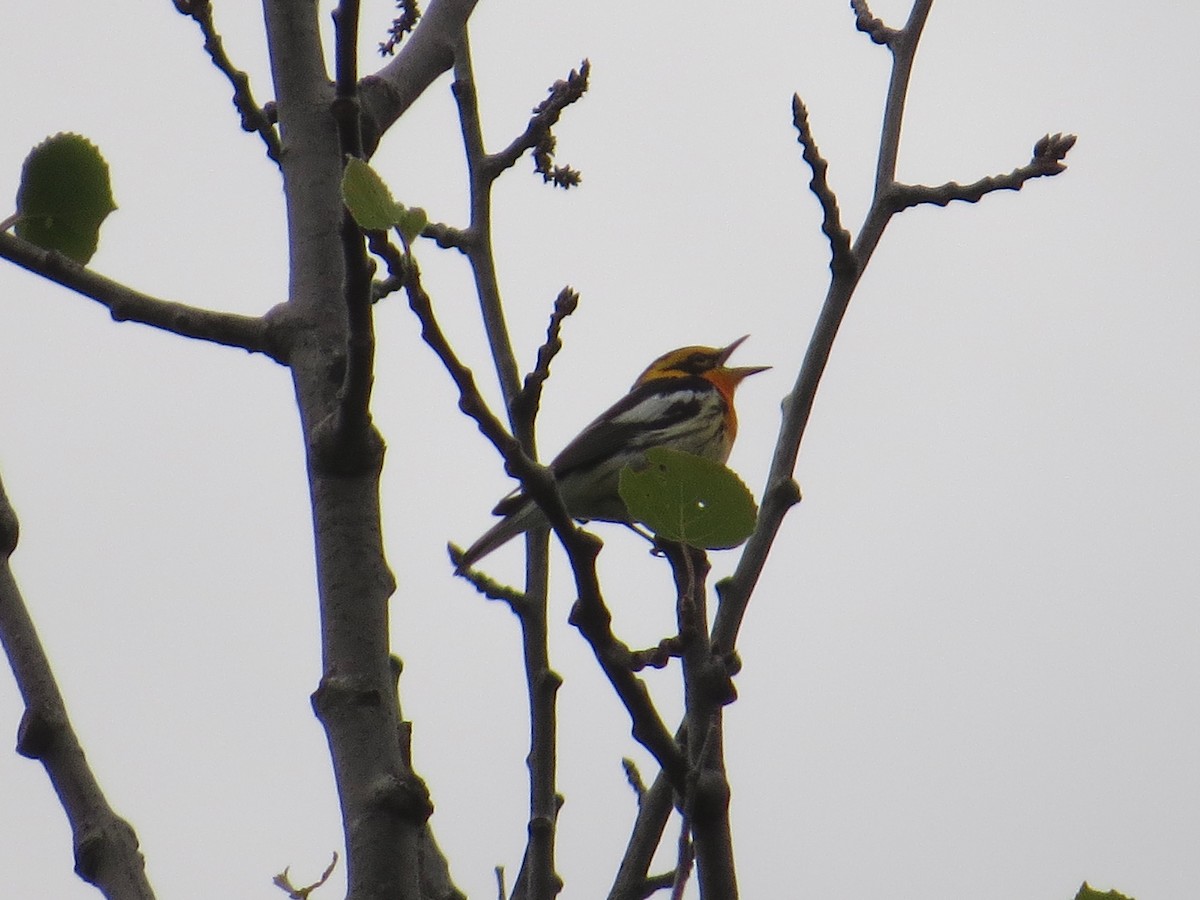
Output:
x=368 y=198
x=64 y=196
x=686 y=498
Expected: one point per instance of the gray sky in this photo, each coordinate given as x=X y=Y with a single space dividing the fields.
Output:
x=971 y=667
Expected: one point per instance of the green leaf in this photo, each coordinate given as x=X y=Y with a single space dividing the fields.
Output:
x=368 y=198
x=64 y=196
x=689 y=499
x=370 y=201
x=1090 y=893
x=411 y=222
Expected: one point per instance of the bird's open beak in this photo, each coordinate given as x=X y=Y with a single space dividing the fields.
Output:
x=739 y=372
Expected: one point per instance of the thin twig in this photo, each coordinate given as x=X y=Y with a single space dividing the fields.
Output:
x=903 y=45
x=1048 y=154
x=254 y=117
x=106 y=848
x=528 y=401
x=517 y=600
x=447 y=237
x=401 y=25
x=346 y=106
x=589 y=613
x=352 y=427
x=536 y=480
x=255 y=334
x=707 y=688
x=782 y=492
x=841 y=256
x=874 y=28
x=427 y=53
x=591 y=616
x=634 y=777
x=537 y=135
x=396 y=261
x=479 y=244
x=684 y=860
x=632 y=881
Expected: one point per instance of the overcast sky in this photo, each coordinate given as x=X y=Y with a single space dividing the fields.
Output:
x=972 y=665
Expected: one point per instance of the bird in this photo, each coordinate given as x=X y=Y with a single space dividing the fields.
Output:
x=683 y=401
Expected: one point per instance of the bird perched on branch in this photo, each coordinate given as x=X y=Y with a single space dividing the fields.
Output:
x=683 y=401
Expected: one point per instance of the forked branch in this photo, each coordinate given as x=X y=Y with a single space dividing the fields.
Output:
x=1048 y=155
x=254 y=117
x=848 y=261
x=255 y=334
x=889 y=198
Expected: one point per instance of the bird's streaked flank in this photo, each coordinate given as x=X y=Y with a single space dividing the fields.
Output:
x=684 y=400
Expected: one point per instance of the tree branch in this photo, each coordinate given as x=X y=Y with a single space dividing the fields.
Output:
x=1048 y=154
x=254 y=117
x=401 y=25
x=871 y=26
x=106 y=848
x=632 y=881
x=384 y=805
x=842 y=257
x=354 y=441
x=529 y=398
x=782 y=492
x=255 y=334
x=589 y=614
x=903 y=45
x=707 y=688
x=428 y=52
x=537 y=879
x=478 y=246
x=537 y=135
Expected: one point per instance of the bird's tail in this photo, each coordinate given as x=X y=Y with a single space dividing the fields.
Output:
x=517 y=522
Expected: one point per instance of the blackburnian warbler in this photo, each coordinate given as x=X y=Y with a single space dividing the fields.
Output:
x=684 y=401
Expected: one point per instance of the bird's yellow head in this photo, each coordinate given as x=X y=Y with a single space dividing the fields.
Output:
x=706 y=362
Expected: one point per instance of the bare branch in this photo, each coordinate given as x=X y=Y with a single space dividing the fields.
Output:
x=782 y=492
x=396 y=261
x=428 y=52
x=591 y=616
x=404 y=23
x=634 y=777
x=354 y=441
x=346 y=106
x=841 y=256
x=347 y=440
x=526 y=403
x=871 y=26
x=478 y=247
x=903 y=45
x=283 y=881
x=447 y=236
x=707 y=688
x=632 y=881
x=490 y=588
x=537 y=135
x=1048 y=155
x=254 y=334
x=254 y=117
x=106 y=848
x=658 y=656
